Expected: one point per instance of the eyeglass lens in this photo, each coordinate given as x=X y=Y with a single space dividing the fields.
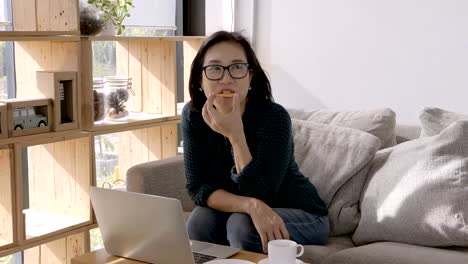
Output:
x=216 y=72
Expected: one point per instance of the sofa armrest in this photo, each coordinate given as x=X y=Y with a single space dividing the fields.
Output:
x=164 y=177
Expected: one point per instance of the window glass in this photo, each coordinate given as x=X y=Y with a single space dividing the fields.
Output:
x=151 y=18
x=5 y=15
x=7 y=76
x=6 y=53
x=15 y=258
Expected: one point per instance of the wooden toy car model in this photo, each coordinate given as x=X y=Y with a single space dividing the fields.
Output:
x=26 y=117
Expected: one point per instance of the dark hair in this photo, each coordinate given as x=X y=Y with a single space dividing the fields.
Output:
x=261 y=89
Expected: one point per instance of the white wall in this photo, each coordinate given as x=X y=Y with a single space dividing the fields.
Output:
x=361 y=54
x=357 y=54
x=219 y=15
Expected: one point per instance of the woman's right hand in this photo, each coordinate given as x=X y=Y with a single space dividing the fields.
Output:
x=268 y=223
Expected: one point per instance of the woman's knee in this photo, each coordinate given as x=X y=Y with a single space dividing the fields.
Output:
x=201 y=223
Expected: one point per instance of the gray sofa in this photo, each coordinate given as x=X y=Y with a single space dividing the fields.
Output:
x=166 y=178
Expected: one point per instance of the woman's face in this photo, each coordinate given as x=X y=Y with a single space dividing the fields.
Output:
x=226 y=81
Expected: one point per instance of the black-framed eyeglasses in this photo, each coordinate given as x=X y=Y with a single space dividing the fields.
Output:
x=216 y=72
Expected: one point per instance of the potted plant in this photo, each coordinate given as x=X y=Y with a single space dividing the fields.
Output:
x=114 y=11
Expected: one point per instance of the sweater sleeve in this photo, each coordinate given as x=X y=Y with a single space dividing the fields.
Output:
x=262 y=177
x=196 y=169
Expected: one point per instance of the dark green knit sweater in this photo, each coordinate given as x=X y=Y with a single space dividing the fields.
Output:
x=272 y=176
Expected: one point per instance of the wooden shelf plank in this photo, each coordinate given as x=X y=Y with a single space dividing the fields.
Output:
x=121 y=38
x=75 y=36
x=113 y=127
x=31 y=36
x=45 y=137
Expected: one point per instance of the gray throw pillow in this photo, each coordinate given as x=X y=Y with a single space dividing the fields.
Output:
x=334 y=159
x=417 y=192
x=434 y=120
x=378 y=122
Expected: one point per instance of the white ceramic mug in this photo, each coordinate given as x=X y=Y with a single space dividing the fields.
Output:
x=283 y=251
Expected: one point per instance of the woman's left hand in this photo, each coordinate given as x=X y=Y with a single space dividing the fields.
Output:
x=269 y=224
x=228 y=125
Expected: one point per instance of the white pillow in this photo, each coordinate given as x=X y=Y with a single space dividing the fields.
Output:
x=378 y=122
x=434 y=120
x=417 y=192
x=332 y=157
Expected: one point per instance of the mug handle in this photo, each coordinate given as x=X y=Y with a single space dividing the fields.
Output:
x=301 y=251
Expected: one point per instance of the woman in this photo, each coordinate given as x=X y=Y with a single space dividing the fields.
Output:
x=239 y=155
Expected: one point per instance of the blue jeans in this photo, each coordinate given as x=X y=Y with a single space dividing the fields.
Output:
x=238 y=230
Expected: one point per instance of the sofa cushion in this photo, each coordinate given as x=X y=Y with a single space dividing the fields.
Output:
x=434 y=120
x=416 y=192
x=331 y=156
x=318 y=253
x=397 y=253
x=378 y=122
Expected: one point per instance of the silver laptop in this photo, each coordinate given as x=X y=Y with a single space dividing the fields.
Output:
x=149 y=228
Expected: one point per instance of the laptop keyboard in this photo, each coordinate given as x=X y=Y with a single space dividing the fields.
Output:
x=202 y=258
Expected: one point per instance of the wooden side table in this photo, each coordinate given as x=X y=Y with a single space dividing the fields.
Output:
x=102 y=257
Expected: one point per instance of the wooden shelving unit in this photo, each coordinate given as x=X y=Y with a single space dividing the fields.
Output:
x=151 y=64
x=44 y=178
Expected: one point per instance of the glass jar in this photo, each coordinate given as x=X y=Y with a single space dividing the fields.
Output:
x=98 y=94
x=116 y=89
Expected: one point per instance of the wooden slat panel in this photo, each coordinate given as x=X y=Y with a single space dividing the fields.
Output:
x=130 y=150
x=138 y=143
x=57 y=15
x=83 y=177
x=64 y=177
x=190 y=48
x=154 y=143
x=41 y=177
x=169 y=140
x=134 y=71
x=121 y=57
x=143 y=145
x=18 y=216
x=168 y=78
x=30 y=56
x=145 y=90
x=24 y=15
x=6 y=215
x=75 y=246
x=32 y=256
x=65 y=56
x=54 y=252
x=153 y=99
x=124 y=152
x=59 y=178
x=85 y=88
